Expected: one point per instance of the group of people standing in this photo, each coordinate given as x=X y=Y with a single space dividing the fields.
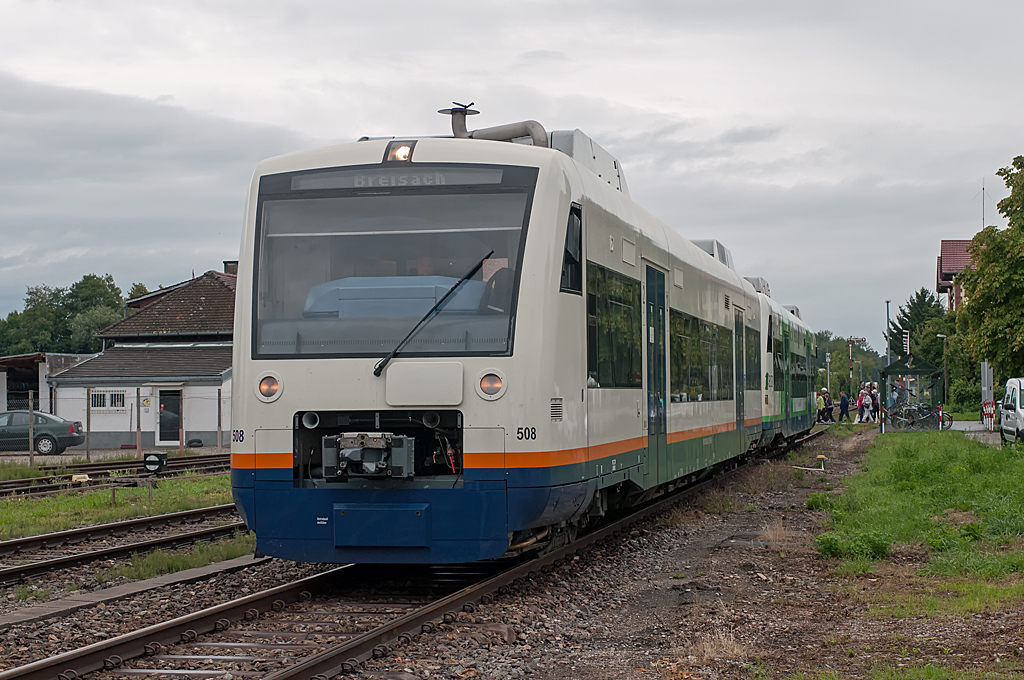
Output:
x=868 y=405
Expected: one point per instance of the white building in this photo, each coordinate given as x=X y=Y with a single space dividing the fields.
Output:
x=169 y=370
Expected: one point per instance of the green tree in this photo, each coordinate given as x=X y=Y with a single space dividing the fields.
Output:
x=920 y=309
x=86 y=324
x=45 y=324
x=92 y=291
x=137 y=291
x=992 y=319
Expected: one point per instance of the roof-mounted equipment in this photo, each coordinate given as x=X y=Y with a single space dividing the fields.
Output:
x=499 y=133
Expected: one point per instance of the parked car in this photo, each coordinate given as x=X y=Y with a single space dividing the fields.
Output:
x=51 y=434
x=1010 y=415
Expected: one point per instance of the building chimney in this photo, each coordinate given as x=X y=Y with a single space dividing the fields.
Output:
x=231 y=267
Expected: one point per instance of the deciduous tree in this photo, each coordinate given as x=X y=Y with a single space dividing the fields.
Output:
x=992 y=320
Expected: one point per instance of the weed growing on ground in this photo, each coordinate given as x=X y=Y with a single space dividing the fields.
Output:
x=959 y=497
x=33 y=516
x=717 y=503
x=163 y=562
x=21 y=593
x=764 y=477
x=775 y=534
x=14 y=470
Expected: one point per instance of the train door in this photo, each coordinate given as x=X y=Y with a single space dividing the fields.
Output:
x=739 y=348
x=787 y=376
x=657 y=443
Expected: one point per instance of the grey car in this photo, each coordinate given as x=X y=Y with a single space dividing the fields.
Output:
x=51 y=434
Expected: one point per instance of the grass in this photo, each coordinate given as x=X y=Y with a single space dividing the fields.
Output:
x=33 y=516
x=163 y=562
x=956 y=501
x=960 y=497
x=843 y=429
x=950 y=598
x=13 y=470
x=969 y=416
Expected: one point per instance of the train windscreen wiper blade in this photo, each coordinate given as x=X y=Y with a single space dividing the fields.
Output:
x=429 y=315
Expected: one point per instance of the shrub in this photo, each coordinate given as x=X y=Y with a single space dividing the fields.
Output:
x=820 y=501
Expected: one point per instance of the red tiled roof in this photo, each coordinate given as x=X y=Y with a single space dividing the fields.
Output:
x=204 y=306
x=953 y=256
x=151 y=362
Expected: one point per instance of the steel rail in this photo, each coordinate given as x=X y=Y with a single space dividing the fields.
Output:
x=347 y=656
x=72 y=536
x=135 y=463
x=109 y=653
x=32 y=487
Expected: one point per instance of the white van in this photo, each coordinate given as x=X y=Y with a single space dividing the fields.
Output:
x=1011 y=416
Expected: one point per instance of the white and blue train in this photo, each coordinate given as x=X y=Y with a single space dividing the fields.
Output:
x=451 y=349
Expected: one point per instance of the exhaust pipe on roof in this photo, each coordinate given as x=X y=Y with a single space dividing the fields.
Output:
x=499 y=133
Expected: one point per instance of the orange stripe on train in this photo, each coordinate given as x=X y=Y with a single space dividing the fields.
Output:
x=513 y=459
x=261 y=461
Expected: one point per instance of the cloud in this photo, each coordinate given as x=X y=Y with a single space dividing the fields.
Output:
x=91 y=182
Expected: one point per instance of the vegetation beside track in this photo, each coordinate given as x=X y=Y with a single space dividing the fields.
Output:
x=168 y=562
x=32 y=516
x=951 y=504
x=11 y=470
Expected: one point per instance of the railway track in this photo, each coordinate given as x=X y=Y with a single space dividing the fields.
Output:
x=33 y=555
x=326 y=624
x=58 y=483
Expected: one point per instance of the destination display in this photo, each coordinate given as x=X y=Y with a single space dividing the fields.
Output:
x=403 y=177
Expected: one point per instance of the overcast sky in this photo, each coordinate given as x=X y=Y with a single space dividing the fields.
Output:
x=829 y=145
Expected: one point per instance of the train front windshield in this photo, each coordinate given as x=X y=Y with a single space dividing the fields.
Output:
x=349 y=260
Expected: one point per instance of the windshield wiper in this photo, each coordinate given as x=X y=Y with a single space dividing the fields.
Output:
x=429 y=315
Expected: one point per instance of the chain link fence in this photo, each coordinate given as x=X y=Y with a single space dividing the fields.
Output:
x=115 y=419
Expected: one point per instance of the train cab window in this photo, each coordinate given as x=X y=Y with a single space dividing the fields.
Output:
x=349 y=260
x=572 y=256
x=614 y=329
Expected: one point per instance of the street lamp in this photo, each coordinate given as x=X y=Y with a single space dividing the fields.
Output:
x=945 y=373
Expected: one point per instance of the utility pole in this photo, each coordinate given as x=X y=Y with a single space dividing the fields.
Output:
x=945 y=372
x=887 y=325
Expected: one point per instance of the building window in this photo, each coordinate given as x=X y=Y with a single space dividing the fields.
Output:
x=111 y=400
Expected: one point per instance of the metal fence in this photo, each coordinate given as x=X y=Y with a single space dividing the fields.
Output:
x=113 y=419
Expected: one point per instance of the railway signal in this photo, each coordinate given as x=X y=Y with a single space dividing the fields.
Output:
x=850 y=340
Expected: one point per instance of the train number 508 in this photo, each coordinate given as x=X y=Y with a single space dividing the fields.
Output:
x=526 y=433
x=238 y=435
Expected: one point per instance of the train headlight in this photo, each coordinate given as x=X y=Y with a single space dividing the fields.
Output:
x=399 y=151
x=268 y=388
x=491 y=385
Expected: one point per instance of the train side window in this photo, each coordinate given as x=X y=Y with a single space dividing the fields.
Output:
x=614 y=329
x=753 y=368
x=572 y=256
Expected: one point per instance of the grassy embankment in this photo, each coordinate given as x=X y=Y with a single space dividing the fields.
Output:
x=33 y=516
x=956 y=502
